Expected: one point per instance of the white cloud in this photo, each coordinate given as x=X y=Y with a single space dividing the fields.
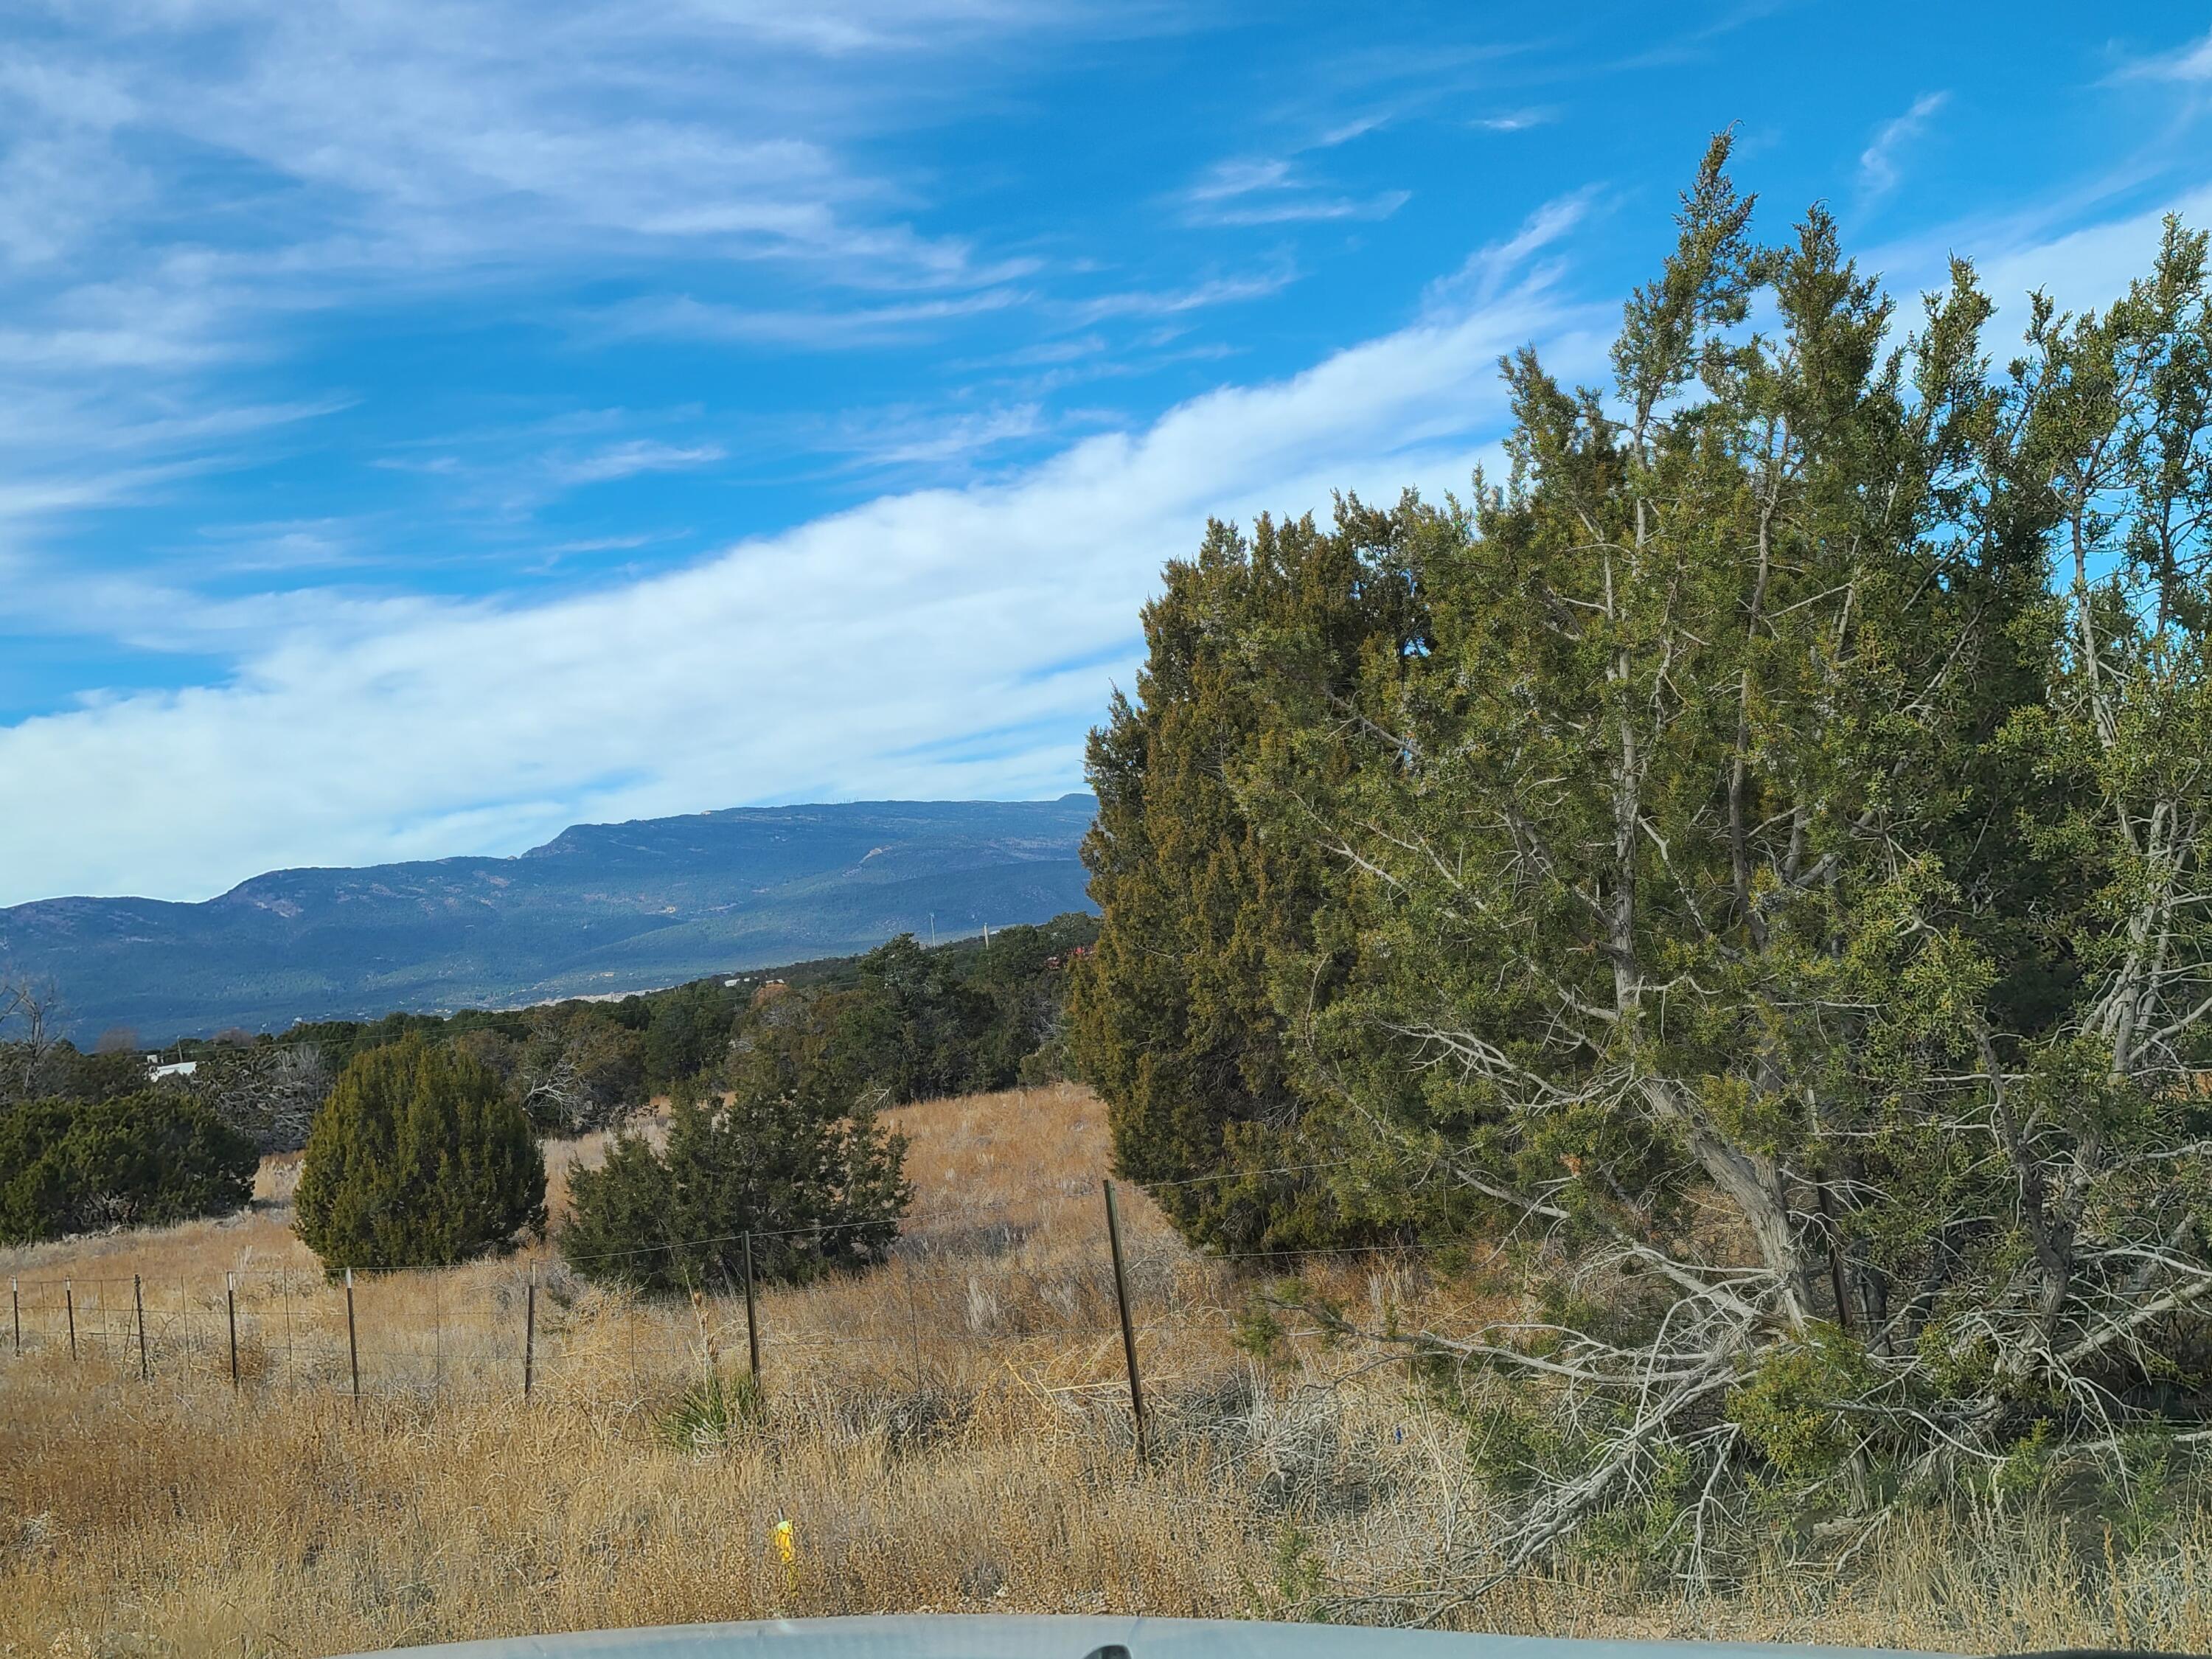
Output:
x=849 y=329
x=1169 y=302
x=1519 y=120
x=1225 y=179
x=915 y=437
x=2080 y=266
x=610 y=544
x=189 y=187
x=1345 y=131
x=2091 y=266
x=626 y=461
x=851 y=656
x=285 y=545
x=1488 y=270
x=1299 y=210
x=1878 y=161
x=2190 y=64
x=181 y=180
x=1269 y=191
x=502 y=128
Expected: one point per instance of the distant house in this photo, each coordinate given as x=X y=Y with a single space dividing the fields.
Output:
x=155 y=1071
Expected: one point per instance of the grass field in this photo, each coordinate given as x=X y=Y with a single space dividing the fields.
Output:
x=949 y=1433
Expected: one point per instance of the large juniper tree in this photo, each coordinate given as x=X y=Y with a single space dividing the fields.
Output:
x=1661 y=870
x=1176 y=1018
x=1774 y=888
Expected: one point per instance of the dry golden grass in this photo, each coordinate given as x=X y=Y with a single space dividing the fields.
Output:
x=949 y=1433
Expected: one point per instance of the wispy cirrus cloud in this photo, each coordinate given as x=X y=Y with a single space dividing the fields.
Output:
x=1306 y=209
x=1880 y=162
x=611 y=544
x=194 y=193
x=934 y=437
x=509 y=472
x=1175 y=301
x=627 y=460
x=506 y=129
x=1489 y=269
x=285 y=545
x=186 y=188
x=2190 y=65
x=1226 y=180
x=1270 y=191
x=411 y=733
x=1519 y=120
x=849 y=328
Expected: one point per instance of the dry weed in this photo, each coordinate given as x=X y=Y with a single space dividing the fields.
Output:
x=949 y=1433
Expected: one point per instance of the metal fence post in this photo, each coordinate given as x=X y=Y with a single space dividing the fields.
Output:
x=138 y=1306
x=1128 y=1331
x=69 y=1302
x=353 y=1342
x=530 y=1331
x=15 y=1302
x=914 y=1334
x=230 y=1313
x=752 y=1323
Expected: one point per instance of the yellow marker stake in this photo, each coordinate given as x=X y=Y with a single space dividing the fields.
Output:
x=789 y=1551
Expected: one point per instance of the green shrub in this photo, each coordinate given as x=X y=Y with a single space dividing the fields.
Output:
x=418 y=1159
x=715 y=1411
x=816 y=1182
x=140 y=1160
x=1792 y=1406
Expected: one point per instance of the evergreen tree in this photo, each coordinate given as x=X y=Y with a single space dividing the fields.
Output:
x=915 y=1024
x=142 y=1160
x=781 y=1152
x=59 y=1071
x=1022 y=997
x=269 y=1092
x=417 y=1159
x=1771 y=888
x=582 y=1070
x=1182 y=1019
x=690 y=1030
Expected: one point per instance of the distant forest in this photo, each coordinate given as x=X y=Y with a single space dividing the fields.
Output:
x=900 y=1023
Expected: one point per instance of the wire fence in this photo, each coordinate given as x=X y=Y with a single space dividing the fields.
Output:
x=1093 y=1317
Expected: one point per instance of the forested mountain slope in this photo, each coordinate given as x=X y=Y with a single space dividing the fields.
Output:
x=600 y=908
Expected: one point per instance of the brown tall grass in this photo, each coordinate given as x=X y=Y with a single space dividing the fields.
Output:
x=949 y=1433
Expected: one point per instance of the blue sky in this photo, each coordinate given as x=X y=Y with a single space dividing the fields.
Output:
x=427 y=426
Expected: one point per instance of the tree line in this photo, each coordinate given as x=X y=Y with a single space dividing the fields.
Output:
x=401 y=1104
x=1744 y=870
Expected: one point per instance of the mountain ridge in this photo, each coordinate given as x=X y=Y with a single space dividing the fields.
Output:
x=599 y=908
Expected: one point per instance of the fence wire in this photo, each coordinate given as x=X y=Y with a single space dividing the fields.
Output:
x=955 y=1297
